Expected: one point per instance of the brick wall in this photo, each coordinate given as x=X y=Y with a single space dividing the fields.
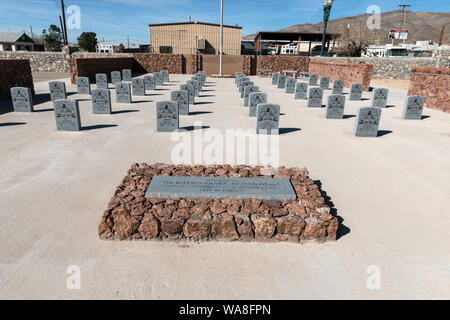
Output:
x=433 y=84
x=279 y=63
x=89 y=67
x=152 y=62
x=14 y=73
x=349 y=72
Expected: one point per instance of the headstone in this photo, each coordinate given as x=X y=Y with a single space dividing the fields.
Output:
x=165 y=75
x=324 y=83
x=116 y=77
x=102 y=80
x=149 y=82
x=101 y=101
x=138 y=86
x=413 y=107
x=195 y=84
x=304 y=76
x=356 y=90
x=315 y=96
x=243 y=85
x=367 y=122
x=158 y=78
x=247 y=91
x=379 y=97
x=182 y=97
x=67 y=115
x=167 y=116
x=313 y=79
x=335 y=106
x=188 y=187
x=22 y=99
x=281 y=84
x=254 y=99
x=275 y=78
x=198 y=78
x=83 y=85
x=290 y=85
x=123 y=92
x=236 y=76
x=301 y=91
x=57 y=90
x=338 y=87
x=127 y=75
x=268 y=117
x=191 y=90
x=241 y=79
x=203 y=74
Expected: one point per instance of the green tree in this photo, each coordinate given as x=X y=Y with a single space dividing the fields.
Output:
x=53 y=38
x=87 y=41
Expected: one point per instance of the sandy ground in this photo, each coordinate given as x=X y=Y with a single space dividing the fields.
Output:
x=393 y=83
x=392 y=193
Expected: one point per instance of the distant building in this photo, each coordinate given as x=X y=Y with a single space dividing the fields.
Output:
x=16 y=41
x=108 y=47
x=194 y=37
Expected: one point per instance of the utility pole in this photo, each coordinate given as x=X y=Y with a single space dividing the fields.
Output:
x=441 y=37
x=62 y=30
x=66 y=41
x=31 y=32
x=403 y=6
x=128 y=40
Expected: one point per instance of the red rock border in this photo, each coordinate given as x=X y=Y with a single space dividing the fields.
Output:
x=130 y=216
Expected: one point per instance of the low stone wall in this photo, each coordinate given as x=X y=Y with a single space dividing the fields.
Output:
x=89 y=67
x=153 y=62
x=131 y=216
x=391 y=68
x=433 y=84
x=40 y=61
x=349 y=72
x=14 y=73
x=279 y=63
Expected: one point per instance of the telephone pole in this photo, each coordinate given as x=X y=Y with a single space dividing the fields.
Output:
x=441 y=38
x=62 y=30
x=66 y=41
x=403 y=6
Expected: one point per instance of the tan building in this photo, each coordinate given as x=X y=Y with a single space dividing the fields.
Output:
x=194 y=37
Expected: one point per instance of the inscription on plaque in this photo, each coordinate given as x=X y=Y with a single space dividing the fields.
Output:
x=83 y=85
x=67 y=115
x=101 y=79
x=22 y=99
x=290 y=85
x=268 y=118
x=247 y=91
x=101 y=101
x=335 y=106
x=57 y=90
x=301 y=91
x=315 y=96
x=413 y=107
x=167 y=116
x=182 y=97
x=173 y=187
x=367 y=122
x=254 y=99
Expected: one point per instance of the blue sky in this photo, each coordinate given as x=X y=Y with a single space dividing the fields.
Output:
x=114 y=20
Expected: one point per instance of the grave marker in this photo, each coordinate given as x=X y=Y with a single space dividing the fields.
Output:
x=356 y=90
x=116 y=77
x=127 y=75
x=165 y=75
x=149 y=82
x=335 y=107
x=182 y=97
x=22 y=99
x=67 y=114
x=290 y=85
x=281 y=84
x=413 y=107
x=138 y=86
x=367 y=122
x=313 y=79
x=315 y=96
x=338 y=87
x=304 y=76
x=191 y=90
x=254 y=99
x=83 y=85
x=101 y=101
x=242 y=85
x=268 y=118
x=247 y=91
x=275 y=78
x=167 y=116
x=123 y=92
x=324 y=83
x=101 y=79
x=158 y=79
x=379 y=97
x=195 y=84
x=301 y=91
x=57 y=90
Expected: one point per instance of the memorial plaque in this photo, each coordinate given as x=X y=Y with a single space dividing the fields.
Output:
x=338 y=87
x=275 y=78
x=67 y=115
x=281 y=84
x=101 y=101
x=116 y=77
x=301 y=91
x=101 y=79
x=83 y=85
x=195 y=84
x=22 y=99
x=367 y=122
x=243 y=85
x=313 y=79
x=189 y=88
x=165 y=75
x=324 y=83
x=335 y=106
x=379 y=97
x=188 y=187
x=356 y=90
x=304 y=76
x=123 y=92
x=268 y=118
x=413 y=107
x=158 y=78
x=254 y=99
x=138 y=86
x=182 y=97
x=127 y=75
x=57 y=90
x=290 y=85
x=167 y=116
x=315 y=96
x=247 y=91
x=149 y=82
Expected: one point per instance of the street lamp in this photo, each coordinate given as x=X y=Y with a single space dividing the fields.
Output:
x=326 y=14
